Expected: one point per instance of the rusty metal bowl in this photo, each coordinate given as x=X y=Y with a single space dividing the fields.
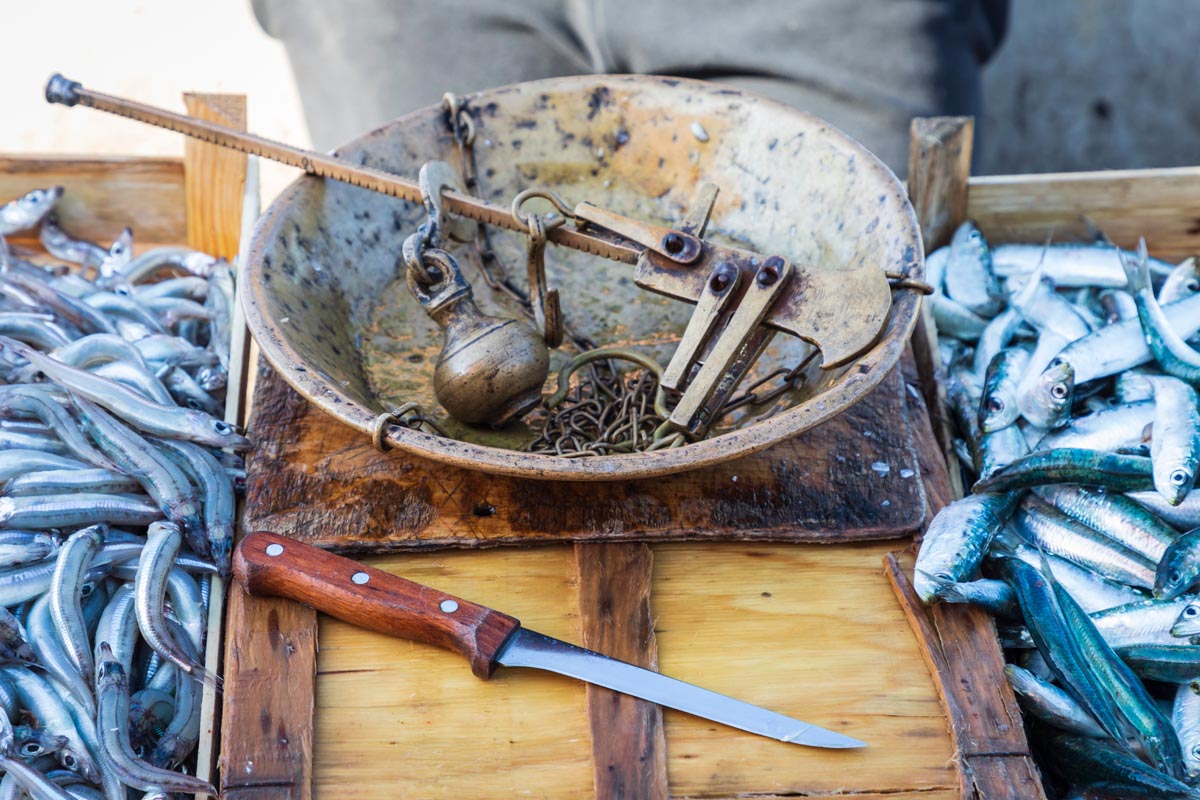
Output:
x=330 y=310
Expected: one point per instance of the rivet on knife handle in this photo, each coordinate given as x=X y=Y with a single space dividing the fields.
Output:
x=269 y=564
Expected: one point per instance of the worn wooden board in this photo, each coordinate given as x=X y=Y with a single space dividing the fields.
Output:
x=849 y=479
x=395 y=719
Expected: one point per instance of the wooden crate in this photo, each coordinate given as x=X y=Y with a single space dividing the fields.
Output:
x=1162 y=205
x=196 y=200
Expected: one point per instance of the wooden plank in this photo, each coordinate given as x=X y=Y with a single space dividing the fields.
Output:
x=215 y=177
x=396 y=719
x=628 y=745
x=268 y=699
x=103 y=195
x=810 y=631
x=323 y=483
x=939 y=166
x=1161 y=204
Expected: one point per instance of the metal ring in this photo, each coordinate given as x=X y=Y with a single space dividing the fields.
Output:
x=412 y=252
x=379 y=428
x=601 y=353
x=559 y=204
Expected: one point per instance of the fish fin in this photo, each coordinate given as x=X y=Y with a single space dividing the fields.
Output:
x=1094 y=231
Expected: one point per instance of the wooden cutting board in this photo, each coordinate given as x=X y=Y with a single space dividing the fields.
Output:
x=850 y=479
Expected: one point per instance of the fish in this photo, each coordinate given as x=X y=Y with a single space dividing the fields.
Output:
x=956 y=540
x=1180 y=567
x=969 y=278
x=27 y=211
x=1169 y=349
x=999 y=407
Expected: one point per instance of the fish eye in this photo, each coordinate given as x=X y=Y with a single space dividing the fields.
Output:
x=222 y=428
x=1191 y=611
x=1173 y=576
x=1193 y=285
x=193 y=404
x=31 y=749
x=1058 y=391
x=1179 y=477
x=995 y=404
x=70 y=762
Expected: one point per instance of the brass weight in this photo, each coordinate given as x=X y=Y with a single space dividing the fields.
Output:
x=491 y=369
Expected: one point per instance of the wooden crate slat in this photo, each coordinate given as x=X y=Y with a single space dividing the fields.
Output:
x=103 y=195
x=1162 y=205
x=629 y=748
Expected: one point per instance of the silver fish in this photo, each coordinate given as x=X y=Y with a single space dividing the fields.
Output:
x=27 y=210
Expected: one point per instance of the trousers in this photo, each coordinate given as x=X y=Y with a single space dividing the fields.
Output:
x=865 y=66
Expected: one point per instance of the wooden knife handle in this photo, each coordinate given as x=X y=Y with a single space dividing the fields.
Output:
x=268 y=564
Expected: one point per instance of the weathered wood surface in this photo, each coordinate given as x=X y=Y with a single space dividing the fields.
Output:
x=809 y=630
x=629 y=748
x=320 y=481
x=1161 y=204
x=103 y=195
x=963 y=655
x=939 y=167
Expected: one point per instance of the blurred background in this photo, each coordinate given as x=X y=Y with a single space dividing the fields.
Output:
x=1076 y=84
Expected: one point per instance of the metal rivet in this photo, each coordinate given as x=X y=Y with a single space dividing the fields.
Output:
x=449 y=606
x=360 y=578
x=275 y=549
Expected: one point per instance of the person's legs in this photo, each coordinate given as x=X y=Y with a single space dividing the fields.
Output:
x=867 y=67
x=359 y=63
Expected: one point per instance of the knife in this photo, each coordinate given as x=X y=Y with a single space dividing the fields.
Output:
x=267 y=564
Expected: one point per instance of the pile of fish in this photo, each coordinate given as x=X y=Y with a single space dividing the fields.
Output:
x=118 y=480
x=1073 y=386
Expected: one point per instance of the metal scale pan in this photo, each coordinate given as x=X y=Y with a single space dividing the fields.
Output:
x=328 y=305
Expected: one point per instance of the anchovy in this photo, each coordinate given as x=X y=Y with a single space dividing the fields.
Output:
x=172 y=259
x=1175 y=445
x=1141 y=622
x=75 y=510
x=1168 y=348
x=1108 y=766
x=1115 y=516
x=39 y=330
x=1050 y=704
x=188 y=393
x=120 y=254
x=1185 y=717
x=62 y=246
x=54 y=716
x=1048 y=529
x=999 y=408
x=35 y=401
x=172 y=422
x=1130 y=699
x=181 y=736
x=188 y=288
x=66 y=588
x=969 y=279
x=1072 y=465
x=53 y=658
x=165 y=482
x=1184 y=516
x=1169 y=663
x=127 y=308
x=173 y=351
x=1068 y=264
x=1122 y=346
x=71 y=309
x=174 y=310
x=999 y=449
x=30 y=742
x=118 y=626
x=62 y=481
x=139 y=380
x=27 y=210
x=113 y=723
x=19 y=547
x=1180 y=567
x=954 y=320
x=219 y=500
x=154 y=566
x=1184 y=281
x=956 y=540
x=1110 y=429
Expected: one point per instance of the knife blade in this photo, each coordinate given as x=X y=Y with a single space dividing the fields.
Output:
x=267 y=564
